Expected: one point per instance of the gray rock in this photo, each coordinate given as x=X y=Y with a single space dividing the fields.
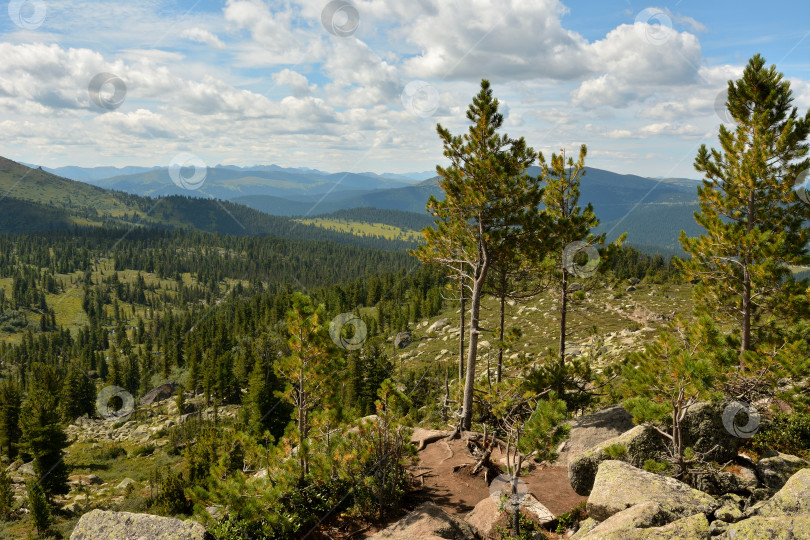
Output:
x=592 y=429
x=643 y=522
x=428 y=521
x=619 y=485
x=793 y=499
x=642 y=443
x=703 y=430
x=159 y=393
x=100 y=524
x=402 y=340
x=775 y=468
x=438 y=325
x=770 y=528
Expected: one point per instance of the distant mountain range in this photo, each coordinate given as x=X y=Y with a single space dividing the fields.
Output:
x=652 y=211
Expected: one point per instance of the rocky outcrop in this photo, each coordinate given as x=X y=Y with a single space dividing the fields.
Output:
x=793 y=499
x=159 y=393
x=642 y=522
x=429 y=522
x=619 y=485
x=402 y=340
x=642 y=443
x=774 y=468
x=438 y=325
x=702 y=429
x=593 y=429
x=772 y=528
x=127 y=526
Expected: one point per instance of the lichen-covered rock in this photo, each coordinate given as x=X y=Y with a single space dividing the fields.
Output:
x=585 y=527
x=639 y=523
x=642 y=443
x=730 y=511
x=100 y=524
x=702 y=429
x=430 y=522
x=775 y=468
x=792 y=499
x=590 y=430
x=737 y=478
x=619 y=485
x=770 y=528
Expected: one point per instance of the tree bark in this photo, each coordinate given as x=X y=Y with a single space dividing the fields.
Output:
x=472 y=351
x=500 y=345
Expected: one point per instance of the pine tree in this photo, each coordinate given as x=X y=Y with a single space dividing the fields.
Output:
x=489 y=200
x=38 y=506
x=78 y=394
x=681 y=367
x=6 y=495
x=751 y=213
x=308 y=369
x=568 y=223
x=44 y=439
x=10 y=403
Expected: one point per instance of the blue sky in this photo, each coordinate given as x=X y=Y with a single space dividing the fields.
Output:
x=361 y=86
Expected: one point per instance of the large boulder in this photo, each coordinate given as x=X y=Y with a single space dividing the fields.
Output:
x=484 y=516
x=438 y=325
x=775 y=468
x=619 y=485
x=772 y=528
x=592 y=429
x=702 y=429
x=402 y=340
x=793 y=499
x=643 y=522
x=642 y=443
x=159 y=393
x=430 y=522
x=100 y=524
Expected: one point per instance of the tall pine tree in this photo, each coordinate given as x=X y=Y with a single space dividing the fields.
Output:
x=489 y=201
x=751 y=213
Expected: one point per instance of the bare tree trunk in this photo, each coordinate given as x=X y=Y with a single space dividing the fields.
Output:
x=500 y=329
x=746 y=315
x=472 y=351
x=563 y=313
x=461 y=325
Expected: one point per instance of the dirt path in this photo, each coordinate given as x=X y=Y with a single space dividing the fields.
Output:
x=458 y=492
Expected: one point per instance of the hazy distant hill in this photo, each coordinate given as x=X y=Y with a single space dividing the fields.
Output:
x=33 y=199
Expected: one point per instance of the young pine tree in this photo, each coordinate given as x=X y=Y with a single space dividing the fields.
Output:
x=489 y=202
x=10 y=403
x=753 y=218
x=309 y=370
x=44 y=439
x=38 y=506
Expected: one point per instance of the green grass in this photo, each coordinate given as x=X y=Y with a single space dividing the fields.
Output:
x=363 y=229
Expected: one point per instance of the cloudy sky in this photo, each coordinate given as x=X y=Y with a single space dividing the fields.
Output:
x=360 y=86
